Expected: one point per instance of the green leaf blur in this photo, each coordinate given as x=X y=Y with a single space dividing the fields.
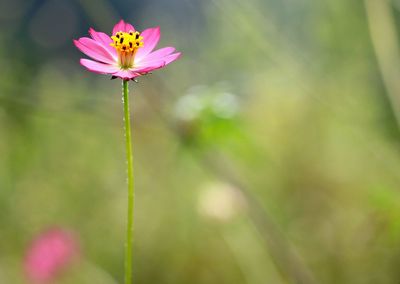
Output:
x=268 y=153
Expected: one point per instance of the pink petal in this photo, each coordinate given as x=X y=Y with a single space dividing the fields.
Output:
x=104 y=39
x=171 y=58
x=99 y=67
x=149 y=67
x=150 y=39
x=158 y=54
x=50 y=253
x=126 y=74
x=119 y=27
x=129 y=27
x=157 y=60
x=139 y=71
x=95 y=50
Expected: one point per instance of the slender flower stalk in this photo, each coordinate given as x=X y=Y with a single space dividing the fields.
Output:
x=126 y=54
x=131 y=193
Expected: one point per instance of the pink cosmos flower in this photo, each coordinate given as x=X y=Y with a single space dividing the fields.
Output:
x=127 y=54
x=50 y=253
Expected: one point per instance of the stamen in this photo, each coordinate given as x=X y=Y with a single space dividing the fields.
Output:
x=126 y=45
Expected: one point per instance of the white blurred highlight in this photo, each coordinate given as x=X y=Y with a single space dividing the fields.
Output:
x=220 y=201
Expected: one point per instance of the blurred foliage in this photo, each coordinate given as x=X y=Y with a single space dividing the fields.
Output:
x=276 y=118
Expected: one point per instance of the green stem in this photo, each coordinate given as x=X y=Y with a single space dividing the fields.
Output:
x=129 y=163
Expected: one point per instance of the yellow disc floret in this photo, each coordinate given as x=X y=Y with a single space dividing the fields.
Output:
x=126 y=45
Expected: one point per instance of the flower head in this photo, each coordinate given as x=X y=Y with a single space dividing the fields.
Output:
x=127 y=53
x=50 y=253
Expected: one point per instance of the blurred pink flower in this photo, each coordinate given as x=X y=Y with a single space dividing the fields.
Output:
x=50 y=253
x=127 y=53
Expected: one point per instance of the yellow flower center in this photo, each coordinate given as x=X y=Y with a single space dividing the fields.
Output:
x=126 y=45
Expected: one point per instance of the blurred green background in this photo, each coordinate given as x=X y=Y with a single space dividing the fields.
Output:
x=269 y=153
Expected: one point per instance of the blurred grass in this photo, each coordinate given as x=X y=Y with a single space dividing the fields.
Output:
x=313 y=143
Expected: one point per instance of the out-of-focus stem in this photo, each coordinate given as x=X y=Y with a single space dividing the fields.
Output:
x=385 y=42
x=287 y=260
x=129 y=164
